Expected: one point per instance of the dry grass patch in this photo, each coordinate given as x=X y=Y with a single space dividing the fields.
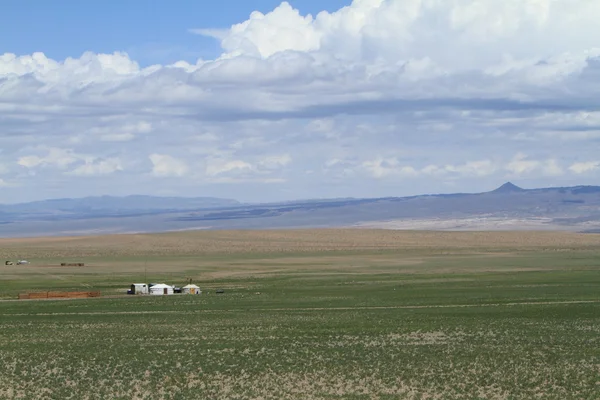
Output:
x=295 y=241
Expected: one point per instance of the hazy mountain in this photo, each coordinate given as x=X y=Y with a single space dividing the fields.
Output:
x=508 y=187
x=117 y=204
x=508 y=207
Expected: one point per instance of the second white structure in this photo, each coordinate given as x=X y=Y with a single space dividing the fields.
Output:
x=161 y=289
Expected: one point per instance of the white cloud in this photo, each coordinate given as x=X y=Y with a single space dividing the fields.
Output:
x=264 y=35
x=384 y=167
x=62 y=159
x=87 y=69
x=585 y=167
x=119 y=132
x=521 y=165
x=164 y=165
x=399 y=90
x=54 y=157
x=93 y=167
x=239 y=170
x=470 y=169
x=218 y=167
x=275 y=162
x=552 y=168
x=117 y=137
x=460 y=33
x=333 y=162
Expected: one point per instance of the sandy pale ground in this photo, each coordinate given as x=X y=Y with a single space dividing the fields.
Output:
x=481 y=223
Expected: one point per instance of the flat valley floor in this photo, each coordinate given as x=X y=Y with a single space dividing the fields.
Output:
x=307 y=314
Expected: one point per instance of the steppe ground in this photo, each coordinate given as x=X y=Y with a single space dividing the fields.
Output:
x=308 y=314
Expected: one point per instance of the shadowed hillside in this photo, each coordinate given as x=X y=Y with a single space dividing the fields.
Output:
x=507 y=208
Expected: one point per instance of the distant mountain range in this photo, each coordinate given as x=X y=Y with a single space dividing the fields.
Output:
x=509 y=207
x=102 y=205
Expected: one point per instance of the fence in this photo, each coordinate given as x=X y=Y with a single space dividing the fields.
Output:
x=58 y=295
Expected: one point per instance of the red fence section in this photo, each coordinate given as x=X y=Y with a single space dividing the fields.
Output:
x=58 y=295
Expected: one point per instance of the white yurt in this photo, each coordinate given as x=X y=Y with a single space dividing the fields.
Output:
x=161 y=289
x=191 y=289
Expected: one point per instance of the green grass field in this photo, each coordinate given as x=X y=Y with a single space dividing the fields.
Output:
x=443 y=321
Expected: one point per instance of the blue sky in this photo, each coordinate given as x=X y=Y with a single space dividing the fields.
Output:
x=379 y=98
x=150 y=31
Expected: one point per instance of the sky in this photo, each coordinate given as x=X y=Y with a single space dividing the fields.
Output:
x=263 y=100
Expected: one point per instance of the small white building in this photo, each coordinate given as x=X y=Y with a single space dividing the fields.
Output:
x=161 y=289
x=191 y=289
x=139 y=288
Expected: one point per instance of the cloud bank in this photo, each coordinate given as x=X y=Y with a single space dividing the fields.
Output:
x=382 y=97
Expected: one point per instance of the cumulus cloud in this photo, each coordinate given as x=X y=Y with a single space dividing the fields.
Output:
x=386 y=167
x=461 y=33
x=164 y=165
x=224 y=170
x=383 y=167
x=80 y=71
x=264 y=35
x=469 y=169
x=93 y=166
x=585 y=167
x=53 y=157
x=122 y=134
x=518 y=166
x=275 y=162
x=423 y=91
x=218 y=167
x=521 y=165
x=69 y=162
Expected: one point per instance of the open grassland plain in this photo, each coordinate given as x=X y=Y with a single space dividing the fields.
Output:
x=314 y=314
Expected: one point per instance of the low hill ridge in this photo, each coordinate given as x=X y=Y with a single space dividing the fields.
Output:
x=508 y=207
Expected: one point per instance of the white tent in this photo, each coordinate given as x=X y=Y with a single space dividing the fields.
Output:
x=191 y=289
x=139 y=288
x=161 y=289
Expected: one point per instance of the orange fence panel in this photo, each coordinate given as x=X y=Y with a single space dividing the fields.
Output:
x=58 y=295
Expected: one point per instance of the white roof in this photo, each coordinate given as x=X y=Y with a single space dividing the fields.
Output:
x=191 y=286
x=161 y=286
x=139 y=284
